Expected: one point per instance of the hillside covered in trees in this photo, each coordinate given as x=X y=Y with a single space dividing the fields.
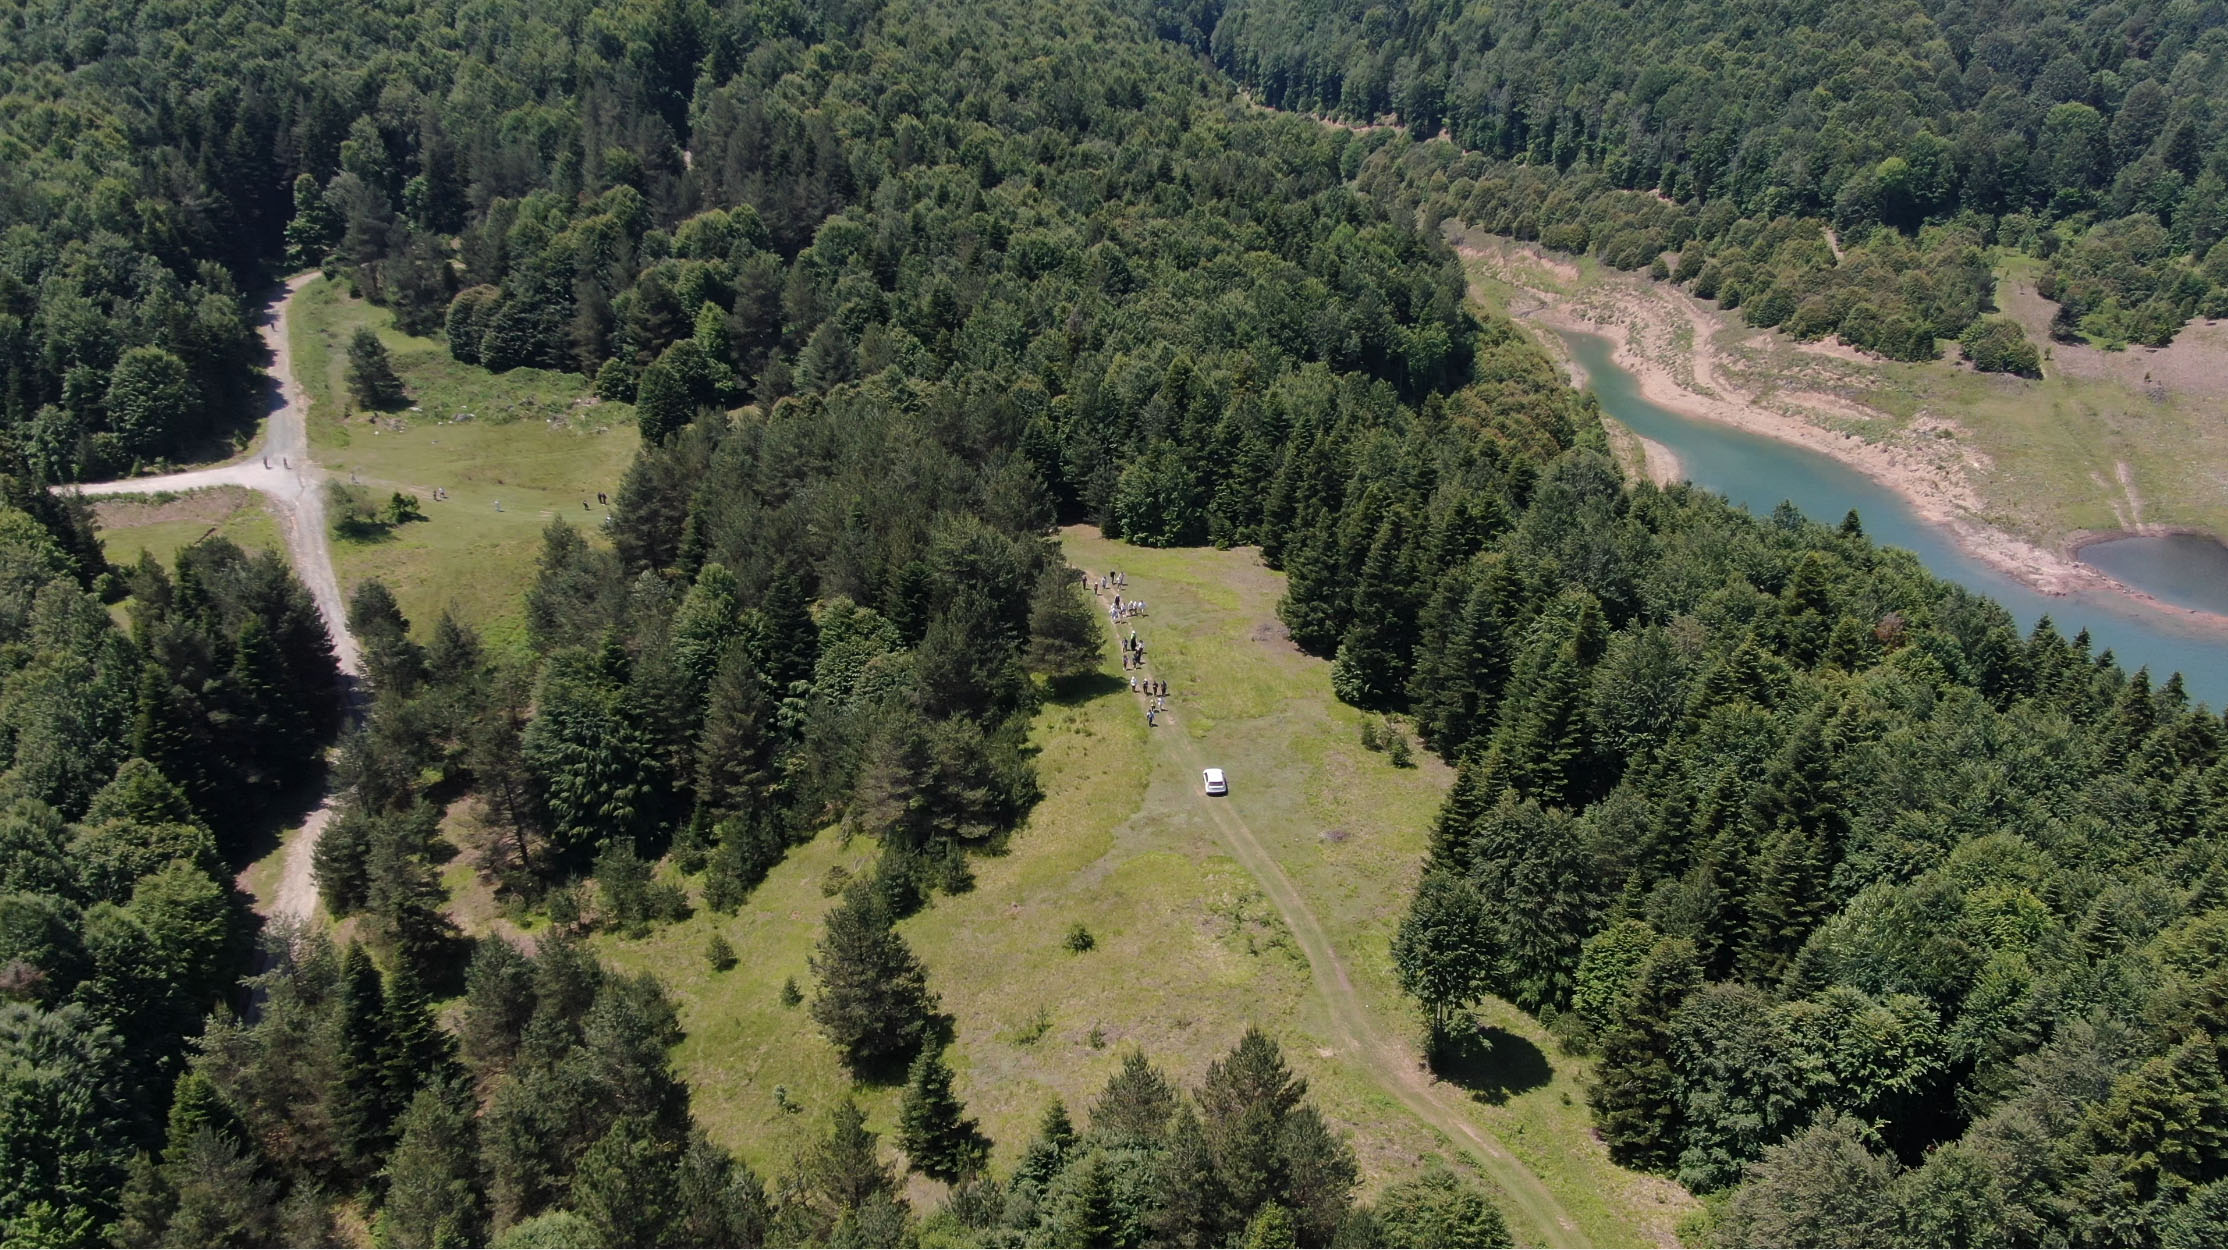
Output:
x=1734 y=136
x=1884 y=920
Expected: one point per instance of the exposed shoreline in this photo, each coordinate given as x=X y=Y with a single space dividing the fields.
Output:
x=2081 y=540
x=1939 y=497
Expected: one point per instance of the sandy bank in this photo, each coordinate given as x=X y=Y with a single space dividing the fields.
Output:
x=1667 y=341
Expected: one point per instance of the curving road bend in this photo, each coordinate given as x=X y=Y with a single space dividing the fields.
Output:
x=283 y=471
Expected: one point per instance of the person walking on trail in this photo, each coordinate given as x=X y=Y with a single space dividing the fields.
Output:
x=1149 y=719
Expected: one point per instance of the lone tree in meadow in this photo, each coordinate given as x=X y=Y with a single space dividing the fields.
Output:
x=371 y=376
x=874 y=1001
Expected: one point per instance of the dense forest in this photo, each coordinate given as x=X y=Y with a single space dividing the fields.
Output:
x=1883 y=922
x=1726 y=141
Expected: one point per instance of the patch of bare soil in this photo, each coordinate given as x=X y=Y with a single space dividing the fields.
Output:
x=210 y=505
x=2190 y=365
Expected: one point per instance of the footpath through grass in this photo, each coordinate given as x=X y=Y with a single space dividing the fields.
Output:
x=1190 y=947
x=537 y=443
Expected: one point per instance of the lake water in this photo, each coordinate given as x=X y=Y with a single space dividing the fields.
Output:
x=1758 y=473
x=2190 y=570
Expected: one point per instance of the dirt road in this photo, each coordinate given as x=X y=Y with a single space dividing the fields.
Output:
x=1395 y=1064
x=282 y=470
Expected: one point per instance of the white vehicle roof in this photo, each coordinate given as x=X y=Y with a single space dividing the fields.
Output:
x=1214 y=774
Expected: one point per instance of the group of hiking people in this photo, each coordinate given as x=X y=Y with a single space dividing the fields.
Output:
x=1133 y=647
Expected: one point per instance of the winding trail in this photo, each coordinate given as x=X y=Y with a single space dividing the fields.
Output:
x=1395 y=1064
x=284 y=473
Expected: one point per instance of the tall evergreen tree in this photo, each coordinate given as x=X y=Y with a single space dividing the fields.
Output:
x=371 y=374
x=787 y=641
x=736 y=769
x=1635 y=1097
x=435 y=1190
x=362 y=1101
x=1377 y=652
x=874 y=1001
x=933 y=1128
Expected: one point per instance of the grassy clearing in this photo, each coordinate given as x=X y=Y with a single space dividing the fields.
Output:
x=162 y=527
x=537 y=443
x=1187 y=952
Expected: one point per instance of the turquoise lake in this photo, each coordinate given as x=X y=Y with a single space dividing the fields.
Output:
x=1758 y=473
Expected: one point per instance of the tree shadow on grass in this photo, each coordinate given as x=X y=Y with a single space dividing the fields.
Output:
x=1491 y=1063
x=1076 y=691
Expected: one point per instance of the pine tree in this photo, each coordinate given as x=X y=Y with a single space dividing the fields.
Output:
x=1635 y=1096
x=1192 y=1207
x=845 y=1169
x=719 y=1202
x=223 y=1197
x=420 y=1051
x=1088 y=1216
x=1788 y=900
x=624 y=1184
x=435 y=1188
x=874 y=1001
x=1136 y=1105
x=1377 y=652
x=1244 y=1101
x=1543 y=733
x=933 y=1128
x=1458 y=682
x=395 y=663
x=735 y=771
x=1065 y=641
x=263 y=714
x=787 y=643
x=363 y=1106
x=1042 y=1159
x=1312 y=608
x=371 y=375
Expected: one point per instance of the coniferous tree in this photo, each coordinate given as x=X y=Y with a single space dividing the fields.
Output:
x=222 y=1196
x=1135 y=1107
x=933 y=1128
x=1376 y=654
x=787 y=642
x=362 y=1101
x=1192 y=1206
x=736 y=770
x=434 y=1188
x=371 y=375
x=1064 y=636
x=873 y=1001
x=1635 y=1096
